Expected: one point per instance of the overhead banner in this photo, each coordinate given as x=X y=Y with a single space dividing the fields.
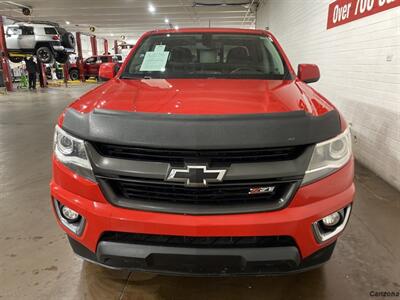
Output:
x=345 y=11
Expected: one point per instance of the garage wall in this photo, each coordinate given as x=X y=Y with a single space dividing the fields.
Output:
x=86 y=46
x=360 y=72
x=100 y=46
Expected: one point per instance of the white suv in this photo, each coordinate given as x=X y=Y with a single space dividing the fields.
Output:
x=46 y=41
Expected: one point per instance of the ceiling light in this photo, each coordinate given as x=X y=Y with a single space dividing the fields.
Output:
x=152 y=9
x=166 y=21
x=176 y=27
x=67 y=22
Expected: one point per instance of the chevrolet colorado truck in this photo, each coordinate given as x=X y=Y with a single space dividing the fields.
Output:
x=204 y=154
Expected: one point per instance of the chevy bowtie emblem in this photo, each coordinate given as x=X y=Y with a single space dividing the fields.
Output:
x=195 y=175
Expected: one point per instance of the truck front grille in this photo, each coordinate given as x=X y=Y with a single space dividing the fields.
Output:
x=226 y=197
x=210 y=156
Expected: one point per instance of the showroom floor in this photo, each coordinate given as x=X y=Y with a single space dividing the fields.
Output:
x=37 y=263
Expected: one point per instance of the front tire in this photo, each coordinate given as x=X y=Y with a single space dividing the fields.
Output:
x=74 y=74
x=45 y=55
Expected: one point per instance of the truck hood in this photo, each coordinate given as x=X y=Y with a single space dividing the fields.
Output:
x=203 y=96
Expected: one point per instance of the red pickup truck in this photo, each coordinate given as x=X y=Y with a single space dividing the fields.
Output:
x=92 y=64
x=206 y=154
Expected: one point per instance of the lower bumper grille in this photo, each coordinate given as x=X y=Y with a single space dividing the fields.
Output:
x=199 y=242
x=219 y=198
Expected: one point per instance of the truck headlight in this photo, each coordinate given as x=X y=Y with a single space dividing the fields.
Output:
x=71 y=152
x=328 y=157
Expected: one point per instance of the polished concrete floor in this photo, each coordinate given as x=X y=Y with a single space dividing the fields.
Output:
x=37 y=263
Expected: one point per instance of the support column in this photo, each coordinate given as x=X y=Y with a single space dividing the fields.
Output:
x=79 y=59
x=4 y=59
x=105 y=46
x=93 y=42
x=42 y=75
x=115 y=47
x=66 y=73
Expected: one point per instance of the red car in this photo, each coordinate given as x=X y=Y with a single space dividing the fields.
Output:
x=91 y=65
x=205 y=154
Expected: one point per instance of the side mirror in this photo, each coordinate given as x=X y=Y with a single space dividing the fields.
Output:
x=107 y=71
x=308 y=73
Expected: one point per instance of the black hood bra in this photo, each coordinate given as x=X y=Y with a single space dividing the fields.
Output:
x=176 y=131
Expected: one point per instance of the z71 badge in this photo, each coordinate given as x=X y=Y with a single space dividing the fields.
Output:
x=261 y=190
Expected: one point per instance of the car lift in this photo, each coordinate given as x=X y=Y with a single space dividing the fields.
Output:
x=42 y=69
x=4 y=59
x=79 y=58
x=105 y=46
x=5 y=63
x=93 y=42
x=115 y=47
x=42 y=74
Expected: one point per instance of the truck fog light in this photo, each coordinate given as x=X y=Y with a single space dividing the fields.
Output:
x=69 y=214
x=332 y=220
x=330 y=226
x=69 y=218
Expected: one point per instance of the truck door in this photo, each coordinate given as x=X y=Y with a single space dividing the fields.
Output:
x=90 y=68
x=100 y=60
x=12 y=34
x=27 y=38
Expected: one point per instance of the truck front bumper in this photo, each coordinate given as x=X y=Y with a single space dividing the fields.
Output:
x=202 y=261
x=311 y=203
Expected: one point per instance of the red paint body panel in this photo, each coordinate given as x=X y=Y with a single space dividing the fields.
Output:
x=311 y=203
x=203 y=96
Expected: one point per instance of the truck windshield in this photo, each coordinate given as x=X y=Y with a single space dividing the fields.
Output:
x=207 y=55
